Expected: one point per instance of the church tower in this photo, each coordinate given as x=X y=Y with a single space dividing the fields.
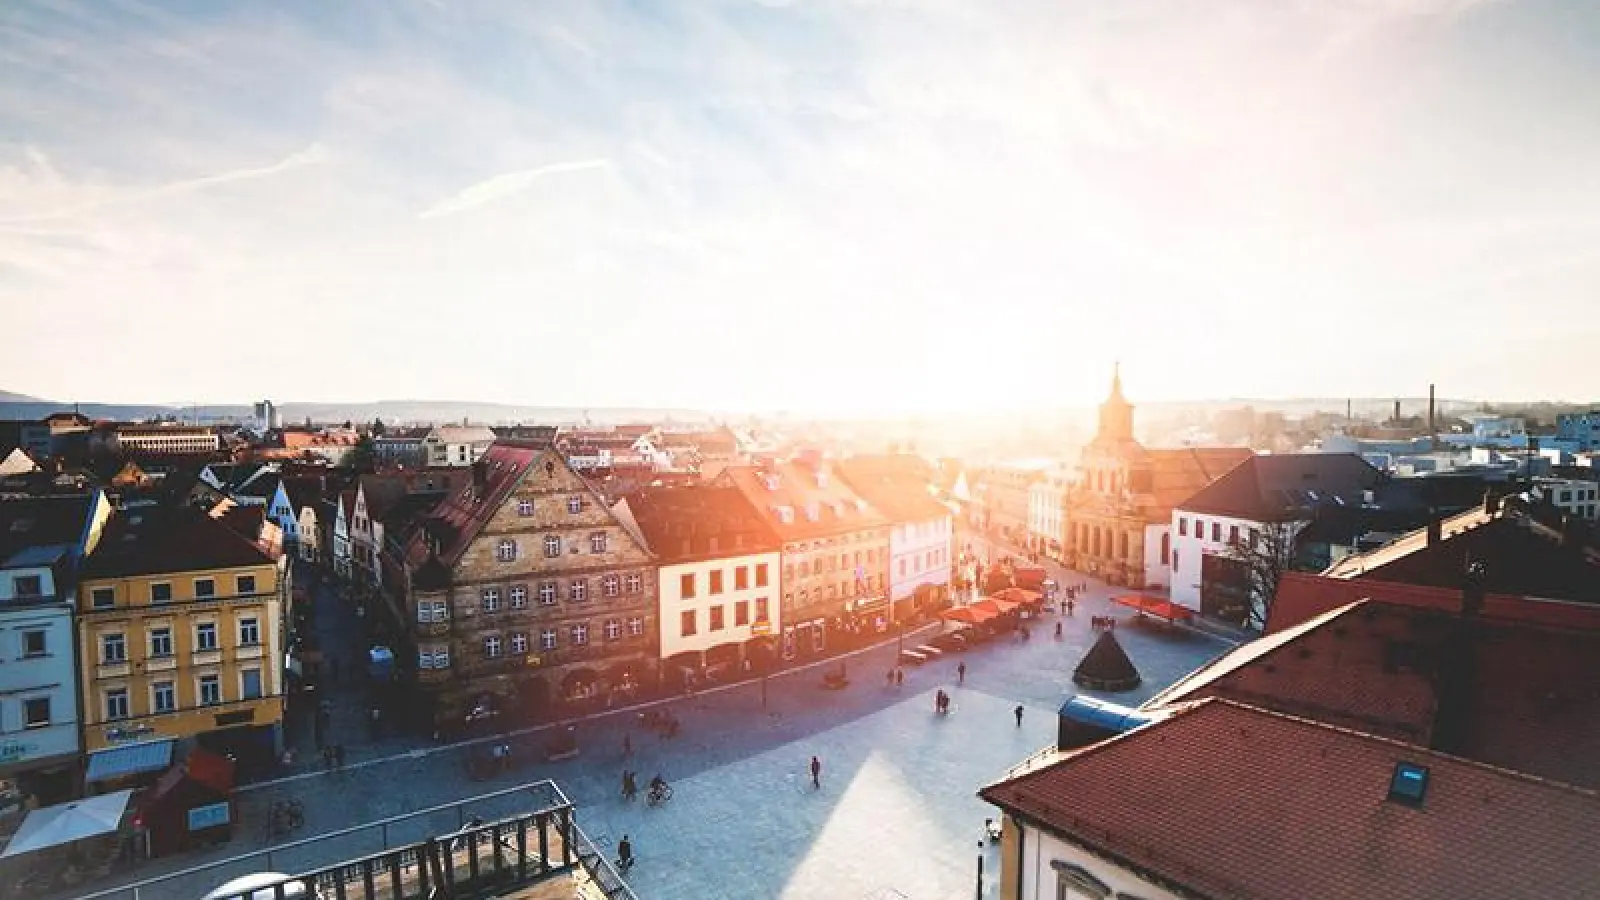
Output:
x=1116 y=414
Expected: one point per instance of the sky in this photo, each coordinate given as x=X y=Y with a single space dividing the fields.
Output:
x=845 y=206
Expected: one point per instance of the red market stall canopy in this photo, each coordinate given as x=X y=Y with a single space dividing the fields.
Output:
x=971 y=615
x=1154 y=606
x=1018 y=595
x=995 y=606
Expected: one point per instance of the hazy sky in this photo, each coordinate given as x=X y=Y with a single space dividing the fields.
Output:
x=805 y=205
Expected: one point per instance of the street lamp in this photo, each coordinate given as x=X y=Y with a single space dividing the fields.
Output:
x=979 y=894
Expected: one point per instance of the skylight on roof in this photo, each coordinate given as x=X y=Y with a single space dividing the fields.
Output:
x=1409 y=784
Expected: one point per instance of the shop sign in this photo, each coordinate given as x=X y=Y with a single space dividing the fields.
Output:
x=203 y=817
x=11 y=751
x=533 y=661
x=761 y=627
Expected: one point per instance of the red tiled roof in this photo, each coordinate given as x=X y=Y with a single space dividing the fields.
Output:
x=164 y=540
x=797 y=486
x=1227 y=800
x=897 y=485
x=1302 y=596
x=1176 y=474
x=680 y=523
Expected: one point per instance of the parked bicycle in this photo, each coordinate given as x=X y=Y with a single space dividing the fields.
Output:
x=660 y=792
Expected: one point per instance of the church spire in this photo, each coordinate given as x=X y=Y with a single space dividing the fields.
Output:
x=1116 y=414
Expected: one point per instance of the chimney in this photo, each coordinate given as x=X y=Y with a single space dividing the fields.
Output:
x=1435 y=527
x=1397 y=411
x=1433 y=433
x=480 y=475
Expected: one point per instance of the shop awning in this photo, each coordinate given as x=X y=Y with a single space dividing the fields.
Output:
x=1159 y=607
x=1018 y=595
x=972 y=615
x=133 y=759
x=995 y=606
x=68 y=822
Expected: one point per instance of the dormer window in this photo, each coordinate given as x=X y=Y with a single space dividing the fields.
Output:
x=574 y=505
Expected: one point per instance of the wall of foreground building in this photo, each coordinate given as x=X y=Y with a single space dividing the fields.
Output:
x=1036 y=865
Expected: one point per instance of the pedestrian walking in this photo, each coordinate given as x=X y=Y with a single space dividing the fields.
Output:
x=816 y=773
x=889 y=678
x=899 y=677
x=1018 y=713
x=961 y=673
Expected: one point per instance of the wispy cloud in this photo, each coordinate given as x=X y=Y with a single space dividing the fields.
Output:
x=492 y=190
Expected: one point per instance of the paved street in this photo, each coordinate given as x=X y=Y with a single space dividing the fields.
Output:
x=896 y=811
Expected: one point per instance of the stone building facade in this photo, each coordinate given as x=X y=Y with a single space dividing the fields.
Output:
x=527 y=597
x=1125 y=494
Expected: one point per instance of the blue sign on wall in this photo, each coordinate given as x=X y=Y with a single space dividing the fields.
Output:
x=203 y=817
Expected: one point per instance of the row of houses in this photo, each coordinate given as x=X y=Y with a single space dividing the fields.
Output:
x=523 y=588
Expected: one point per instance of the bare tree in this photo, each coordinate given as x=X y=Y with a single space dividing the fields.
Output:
x=1259 y=560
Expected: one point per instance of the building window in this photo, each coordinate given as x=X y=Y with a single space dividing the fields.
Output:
x=113 y=648
x=163 y=698
x=580 y=635
x=117 y=703
x=805 y=568
x=597 y=542
x=491 y=599
x=547 y=592
x=761 y=609
x=491 y=646
x=1216 y=532
x=1233 y=534
x=249 y=632
x=635 y=583
x=205 y=588
x=246 y=584
x=105 y=598
x=686 y=586
x=36 y=712
x=33 y=643
x=430 y=611
x=205 y=637
x=574 y=505
x=761 y=574
x=687 y=623
x=741 y=578
x=635 y=627
x=161 y=642
x=519 y=596
x=552 y=546
x=1183 y=528
x=788 y=571
x=741 y=613
x=250 y=684
x=717 y=623
x=610 y=585
x=506 y=550
x=210 y=690
x=519 y=643
x=524 y=507
x=716 y=581
x=27 y=586
x=1199 y=529
x=547 y=639
x=613 y=629
x=578 y=590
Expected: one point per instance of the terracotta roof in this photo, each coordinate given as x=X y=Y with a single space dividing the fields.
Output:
x=795 y=487
x=1285 y=486
x=1520 y=556
x=680 y=524
x=1178 y=474
x=897 y=485
x=1230 y=801
x=1302 y=596
x=172 y=539
x=465 y=434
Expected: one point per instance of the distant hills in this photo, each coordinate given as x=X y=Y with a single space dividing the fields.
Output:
x=395 y=412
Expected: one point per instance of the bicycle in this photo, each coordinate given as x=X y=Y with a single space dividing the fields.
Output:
x=658 y=795
x=286 y=816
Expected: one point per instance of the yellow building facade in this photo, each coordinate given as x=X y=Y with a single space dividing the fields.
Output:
x=180 y=636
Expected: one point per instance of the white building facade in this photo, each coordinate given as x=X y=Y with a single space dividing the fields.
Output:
x=1196 y=536
x=1052 y=868
x=1047 y=499
x=1570 y=495
x=456 y=445
x=919 y=554
x=713 y=602
x=1158 y=556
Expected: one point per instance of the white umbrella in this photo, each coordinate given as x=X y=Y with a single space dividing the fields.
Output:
x=68 y=822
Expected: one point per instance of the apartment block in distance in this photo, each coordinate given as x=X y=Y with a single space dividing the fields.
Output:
x=180 y=638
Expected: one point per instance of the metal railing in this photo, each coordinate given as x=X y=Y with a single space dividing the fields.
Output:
x=528 y=832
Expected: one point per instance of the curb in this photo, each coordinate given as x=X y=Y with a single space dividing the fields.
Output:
x=425 y=752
